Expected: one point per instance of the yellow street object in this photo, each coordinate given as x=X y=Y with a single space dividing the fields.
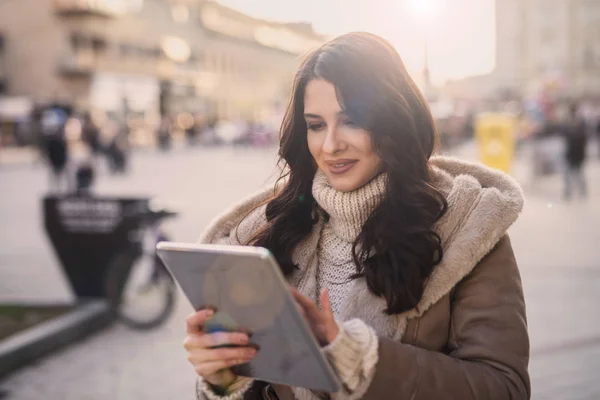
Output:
x=495 y=135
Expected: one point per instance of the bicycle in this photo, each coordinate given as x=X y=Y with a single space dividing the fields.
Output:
x=140 y=290
x=107 y=249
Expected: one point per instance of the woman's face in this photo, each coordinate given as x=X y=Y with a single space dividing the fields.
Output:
x=342 y=150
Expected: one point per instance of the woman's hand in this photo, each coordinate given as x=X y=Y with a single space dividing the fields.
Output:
x=322 y=323
x=214 y=364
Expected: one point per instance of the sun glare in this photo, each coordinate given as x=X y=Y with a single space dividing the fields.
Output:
x=424 y=9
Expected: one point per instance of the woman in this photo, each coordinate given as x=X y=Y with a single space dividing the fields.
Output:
x=399 y=259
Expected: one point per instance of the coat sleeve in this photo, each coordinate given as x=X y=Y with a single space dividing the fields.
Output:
x=488 y=349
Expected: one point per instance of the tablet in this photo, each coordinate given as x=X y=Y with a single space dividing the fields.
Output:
x=250 y=294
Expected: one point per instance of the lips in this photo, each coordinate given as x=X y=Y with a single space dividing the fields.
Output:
x=340 y=166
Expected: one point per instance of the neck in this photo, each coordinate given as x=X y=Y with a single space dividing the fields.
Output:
x=348 y=211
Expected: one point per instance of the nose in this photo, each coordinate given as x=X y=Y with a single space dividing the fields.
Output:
x=333 y=143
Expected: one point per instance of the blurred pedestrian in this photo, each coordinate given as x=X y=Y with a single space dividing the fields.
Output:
x=191 y=131
x=90 y=135
x=597 y=129
x=163 y=133
x=575 y=154
x=399 y=259
x=82 y=177
x=37 y=135
x=52 y=128
x=117 y=147
x=210 y=135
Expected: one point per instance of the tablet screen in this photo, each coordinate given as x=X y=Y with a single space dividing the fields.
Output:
x=250 y=295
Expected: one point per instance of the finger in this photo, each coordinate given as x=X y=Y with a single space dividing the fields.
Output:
x=326 y=306
x=301 y=311
x=213 y=367
x=302 y=300
x=196 y=341
x=200 y=356
x=195 y=321
x=300 y=308
x=298 y=302
x=312 y=311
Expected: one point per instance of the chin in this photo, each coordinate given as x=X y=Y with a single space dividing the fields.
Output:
x=344 y=184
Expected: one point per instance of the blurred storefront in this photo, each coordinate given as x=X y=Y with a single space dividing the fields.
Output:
x=144 y=59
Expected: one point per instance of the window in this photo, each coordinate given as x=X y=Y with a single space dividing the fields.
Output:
x=81 y=41
x=78 y=41
x=98 y=43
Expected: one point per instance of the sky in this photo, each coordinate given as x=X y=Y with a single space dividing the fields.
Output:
x=461 y=33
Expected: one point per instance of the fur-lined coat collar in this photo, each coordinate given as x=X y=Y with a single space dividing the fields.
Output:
x=482 y=204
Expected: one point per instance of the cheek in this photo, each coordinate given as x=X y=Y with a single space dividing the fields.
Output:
x=365 y=145
x=373 y=161
x=314 y=146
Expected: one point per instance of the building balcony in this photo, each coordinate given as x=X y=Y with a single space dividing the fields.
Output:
x=100 y=8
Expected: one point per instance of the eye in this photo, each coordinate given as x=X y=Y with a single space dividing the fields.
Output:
x=315 y=126
x=350 y=124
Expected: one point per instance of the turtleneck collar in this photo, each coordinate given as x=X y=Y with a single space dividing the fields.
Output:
x=348 y=211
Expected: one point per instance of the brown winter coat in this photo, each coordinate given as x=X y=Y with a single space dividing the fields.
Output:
x=467 y=338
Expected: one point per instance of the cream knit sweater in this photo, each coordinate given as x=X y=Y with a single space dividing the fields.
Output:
x=348 y=211
x=353 y=353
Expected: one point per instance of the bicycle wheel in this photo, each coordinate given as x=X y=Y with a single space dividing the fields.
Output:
x=140 y=290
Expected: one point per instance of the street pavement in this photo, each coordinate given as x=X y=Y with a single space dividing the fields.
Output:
x=555 y=243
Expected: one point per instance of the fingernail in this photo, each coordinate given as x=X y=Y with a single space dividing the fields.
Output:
x=209 y=313
x=243 y=339
x=251 y=353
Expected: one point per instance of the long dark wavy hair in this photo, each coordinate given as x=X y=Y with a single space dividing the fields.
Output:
x=397 y=248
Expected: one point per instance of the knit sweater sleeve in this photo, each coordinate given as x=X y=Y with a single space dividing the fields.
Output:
x=354 y=356
x=236 y=391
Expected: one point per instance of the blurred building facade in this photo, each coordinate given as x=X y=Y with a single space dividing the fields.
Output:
x=554 y=42
x=250 y=62
x=150 y=57
x=542 y=45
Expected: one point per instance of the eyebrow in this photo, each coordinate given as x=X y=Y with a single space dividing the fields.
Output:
x=309 y=115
